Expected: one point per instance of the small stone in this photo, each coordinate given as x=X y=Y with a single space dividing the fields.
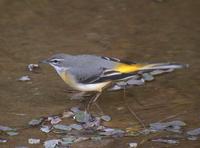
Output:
x=75 y=109
x=3 y=140
x=76 y=126
x=79 y=139
x=33 y=141
x=36 y=122
x=6 y=128
x=46 y=128
x=68 y=140
x=192 y=138
x=133 y=145
x=67 y=114
x=24 y=78
x=106 y=118
x=194 y=132
x=96 y=138
x=82 y=117
x=54 y=119
x=12 y=133
x=52 y=143
x=62 y=127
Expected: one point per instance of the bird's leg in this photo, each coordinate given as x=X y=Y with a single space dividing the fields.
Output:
x=93 y=100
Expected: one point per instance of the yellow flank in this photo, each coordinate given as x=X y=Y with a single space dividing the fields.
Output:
x=125 y=68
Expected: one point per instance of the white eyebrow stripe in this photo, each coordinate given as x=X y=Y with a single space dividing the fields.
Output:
x=56 y=59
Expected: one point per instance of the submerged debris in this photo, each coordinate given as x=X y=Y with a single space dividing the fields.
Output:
x=24 y=78
x=167 y=141
x=75 y=109
x=33 y=141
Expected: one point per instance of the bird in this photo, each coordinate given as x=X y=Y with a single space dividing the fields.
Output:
x=93 y=73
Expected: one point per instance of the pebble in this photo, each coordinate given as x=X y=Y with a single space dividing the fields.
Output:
x=67 y=114
x=24 y=78
x=82 y=117
x=12 y=133
x=33 y=141
x=51 y=143
x=35 y=122
x=76 y=127
x=54 y=119
x=62 y=127
x=45 y=128
x=194 y=132
x=106 y=118
x=3 y=140
x=133 y=145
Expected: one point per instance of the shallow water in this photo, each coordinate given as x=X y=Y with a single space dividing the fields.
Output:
x=142 y=31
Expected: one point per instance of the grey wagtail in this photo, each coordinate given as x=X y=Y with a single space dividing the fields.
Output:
x=91 y=73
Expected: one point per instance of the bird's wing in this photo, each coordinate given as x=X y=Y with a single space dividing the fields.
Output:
x=96 y=69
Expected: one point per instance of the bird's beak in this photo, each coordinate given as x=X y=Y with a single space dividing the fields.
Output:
x=44 y=62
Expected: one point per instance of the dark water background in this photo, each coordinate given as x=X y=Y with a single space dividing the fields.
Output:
x=140 y=30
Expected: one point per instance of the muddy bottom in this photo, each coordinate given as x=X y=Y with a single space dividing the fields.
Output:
x=141 y=31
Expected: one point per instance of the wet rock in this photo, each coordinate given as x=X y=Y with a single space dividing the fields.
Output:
x=46 y=128
x=147 y=77
x=82 y=117
x=67 y=114
x=76 y=127
x=12 y=133
x=133 y=145
x=167 y=141
x=96 y=138
x=106 y=118
x=62 y=127
x=33 y=141
x=54 y=119
x=6 y=128
x=52 y=143
x=92 y=123
x=79 y=139
x=75 y=109
x=68 y=140
x=24 y=78
x=36 y=122
x=194 y=132
x=192 y=138
x=3 y=140
x=32 y=67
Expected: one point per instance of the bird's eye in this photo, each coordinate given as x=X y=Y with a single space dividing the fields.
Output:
x=55 y=61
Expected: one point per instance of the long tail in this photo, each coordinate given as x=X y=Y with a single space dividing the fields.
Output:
x=163 y=66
